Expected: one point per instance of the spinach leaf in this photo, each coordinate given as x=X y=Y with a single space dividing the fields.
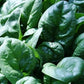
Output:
x=35 y=32
x=30 y=32
x=58 y=23
x=48 y=3
x=3 y=79
x=79 y=46
x=80 y=24
x=49 y=80
x=79 y=50
x=10 y=25
x=79 y=15
x=80 y=20
x=67 y=70
x=31 y=12
x=50 y=52
x=16 y=59
x=34 y=39
x=2 y=39
x=79 y=39
x=11 y=5
x=28 y=80
x=80 y=4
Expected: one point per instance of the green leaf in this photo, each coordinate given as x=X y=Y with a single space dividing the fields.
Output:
x=2 y=39
x=11 y=5
x=49 y=80
x=16 y=58
x=34 y=39
x=4 y=19
x=79 y=50
x=31 y=12
x=79 y=15
x=48 y=3
x=80 y=22
x=79 y=39
x=30 y=32
x=80 y=4
x=67 y=70
x=58 y=23
x=11 y=25
x=3 y=79
x=28 y=80
x=50 y=52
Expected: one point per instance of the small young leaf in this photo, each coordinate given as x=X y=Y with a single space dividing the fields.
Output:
x=34 y=39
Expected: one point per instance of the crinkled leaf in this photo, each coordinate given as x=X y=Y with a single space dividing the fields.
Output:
x=2 y=39
x=28 y=80
x=51 y=52
x=79 y=50
x=3 y=20
x=78 y=46
x=10 y=5
x=31 y=12
x=11 y=27
x=79 y=39
x=16 y=58
x=80 y=4
x=58 y=23
x=67 y=70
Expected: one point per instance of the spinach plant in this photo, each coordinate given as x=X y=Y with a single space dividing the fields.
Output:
x=41 y=41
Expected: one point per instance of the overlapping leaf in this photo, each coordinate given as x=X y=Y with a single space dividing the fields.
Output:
x=51 y=52
x=31 y=13
x=16 y=58
x=28 y=80
x=58 y=23
x=10 y=25
x=67 y=70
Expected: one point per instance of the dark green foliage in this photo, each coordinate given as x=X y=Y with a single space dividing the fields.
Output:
x=16 y=58
x=58 y=23
x=51 y=52
x=41 y=41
